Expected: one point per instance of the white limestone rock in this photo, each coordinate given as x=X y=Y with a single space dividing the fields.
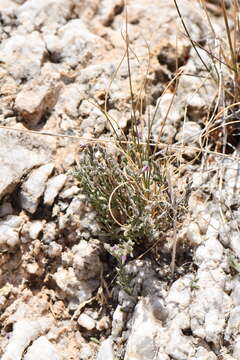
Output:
x=33 y=188
x=210 y=306
x=209 y=254
x=189 y=133
x=46 y=15
x=178 y=346
x=105 y=351
x=235 y=295
x=86 y=322
x=24 y=332
x=72 y=288
x=74 y=43
x=179 y=296
x=9 y=230
x=109 y=9
x=42 y=349
x=236 y=348
x=118 y=322
x=18 y=156
x=54 y=249
x=36 y=98
x=233 y=324
x=234 y=242
x=149 y=339
x=70 y=192
x=203 y=354
x=69 y=101
x=144 y=329
x=31 y=230
x=6 y=209
x=79 y=274
x=53 y=187
x=7 y=5
x=23 y=55
x=193 y=234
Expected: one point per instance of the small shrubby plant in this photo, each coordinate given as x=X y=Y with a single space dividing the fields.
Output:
x=131 y=195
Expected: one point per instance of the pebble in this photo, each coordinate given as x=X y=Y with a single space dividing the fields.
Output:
x=70 y=192
x=54 y=249
x=9 y=230
x=53 y=187
x=17 y=158
x=118 y=322
x=24 y=332
x=35 y=228
x=86 y=322
x=105 y=351
x=33 y=188
x=42 y=349
x=43 y=95
x=73 y=43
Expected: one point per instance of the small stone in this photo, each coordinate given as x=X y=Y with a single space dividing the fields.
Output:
x=33 y=188
x=86 y=351
x=42 y=349
x=189 y=135
x=54 y=185
x=9 y=230
x=23 y=55
x=18 y=156
x=35 y=228
x=193 y=234
x=86 y=262
x=45 y=15
x=32 y=268
x=54 y=249
x=86 y=322
x=80 y=272
x=68 y=193
x=236 y=291
x=24 y=332
x=118 y=321
x=105 y=351
x=36 y=99
x=31 y=230
x=209 y=253
x=49 y=233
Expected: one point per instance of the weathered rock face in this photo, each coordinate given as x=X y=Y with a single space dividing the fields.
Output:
x=58 y=61
x=23 y=55
x=47 y=15
x=19 y=154
x=42 y=349
x=78 y=282
x=74 y=44
x=33 y=188
x=9 y=230
x=36 y=99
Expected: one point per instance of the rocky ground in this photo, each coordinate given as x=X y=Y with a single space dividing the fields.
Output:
x=58 y=298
